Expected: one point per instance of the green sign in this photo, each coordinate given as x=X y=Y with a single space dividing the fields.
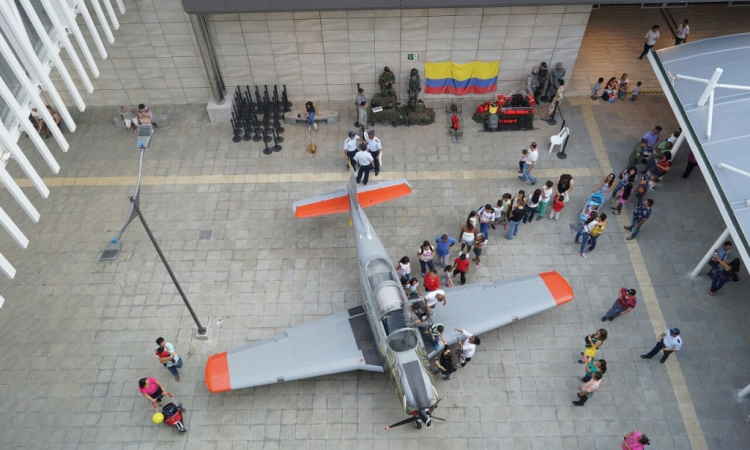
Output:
x=412 y=56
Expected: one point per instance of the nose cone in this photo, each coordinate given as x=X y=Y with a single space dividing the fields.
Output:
x=217 y=373
x=424 y=416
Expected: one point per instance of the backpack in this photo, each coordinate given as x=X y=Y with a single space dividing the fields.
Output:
x=598 y=229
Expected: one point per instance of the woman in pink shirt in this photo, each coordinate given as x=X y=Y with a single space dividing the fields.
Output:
x=634 y=441
x=151 y=389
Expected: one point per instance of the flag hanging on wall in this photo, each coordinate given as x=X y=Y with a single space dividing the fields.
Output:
x=476 y=77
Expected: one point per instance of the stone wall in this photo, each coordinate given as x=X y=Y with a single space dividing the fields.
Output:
x=323 y=55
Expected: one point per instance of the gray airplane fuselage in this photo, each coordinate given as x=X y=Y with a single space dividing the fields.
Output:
x=405 y=359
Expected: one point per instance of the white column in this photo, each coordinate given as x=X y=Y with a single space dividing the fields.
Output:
x=6 y=267
x=53 y=51
x=710 y=253
x=680 y=140
x=70 y=22
x=112 y=16
x=745 y=392
x=92 y=28
x=103 y=20
x=62 y=33
x=13 y=229
x=12 y=146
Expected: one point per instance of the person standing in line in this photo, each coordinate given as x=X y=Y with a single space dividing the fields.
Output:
x=668 y=342
x=634 y=441
x=364 y=159
x=720 y=254
x=624 y=303
x=597 y=231
x=640 y=216
x=624 y=196
x=445 y=363
x=546 y=197
x=461 y=267
x=486 y=216
x=651 y=37
x=532 y=206
x=171 y=360
x=727 y=273
x=626 y=177
x=504 y=205
x=350 y=148
x=426 y=253
x=468 y=235
x=515 y=218
x=643 y=150
x=443 y=245
x=648 y=184
x=375 y=148
x=478 y=246
x=557 y=206
x=622 y=88
x=448 y=276
x=564 y=185
x=357 y=104
x=682 y=33
x=584 y=231
x=592 y=367
x=529 y=163
x=431 y=281
x=362 y=115
x=692 y=164
x=637 y=90
x=467 y=347
x=404 y=268
x=585 y=391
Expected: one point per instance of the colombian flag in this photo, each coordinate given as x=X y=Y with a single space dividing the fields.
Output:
x=476 y=77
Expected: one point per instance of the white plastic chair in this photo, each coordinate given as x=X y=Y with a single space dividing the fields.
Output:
x=558 y=139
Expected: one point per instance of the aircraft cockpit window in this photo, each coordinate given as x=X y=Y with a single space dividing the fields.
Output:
x=379 y=271
x=403 y=341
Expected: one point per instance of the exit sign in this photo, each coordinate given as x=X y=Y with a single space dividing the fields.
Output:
x=412 y=56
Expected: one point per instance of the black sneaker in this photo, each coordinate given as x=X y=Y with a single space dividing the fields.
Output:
x=604 y=319
x=645 y=357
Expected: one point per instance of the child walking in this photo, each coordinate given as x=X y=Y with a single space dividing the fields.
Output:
x=624 y=196
x=557 y=206
x=448 y=276
x=545 y=199
x=478 y=246
x=636 y=91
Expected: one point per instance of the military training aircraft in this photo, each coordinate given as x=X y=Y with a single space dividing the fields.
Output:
x=374 y=336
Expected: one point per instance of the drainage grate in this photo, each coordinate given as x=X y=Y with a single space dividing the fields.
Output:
x=205 y=235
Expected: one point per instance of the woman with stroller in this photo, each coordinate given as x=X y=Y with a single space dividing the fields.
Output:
x=606 y=186
x=152 y=389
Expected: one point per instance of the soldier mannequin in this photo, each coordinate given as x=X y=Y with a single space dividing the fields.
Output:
x=386 y=81
x=532 y=81
x=541 y=91
x=555 y=74
x=414 y=87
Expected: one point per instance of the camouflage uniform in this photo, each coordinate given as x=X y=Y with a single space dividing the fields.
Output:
x=554 y=75
x=386 y=81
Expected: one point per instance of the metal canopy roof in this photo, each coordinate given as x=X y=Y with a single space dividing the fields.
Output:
x=708 y=87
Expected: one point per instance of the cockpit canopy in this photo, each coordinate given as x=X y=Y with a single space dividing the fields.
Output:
x=403 y=340
x=387 y=293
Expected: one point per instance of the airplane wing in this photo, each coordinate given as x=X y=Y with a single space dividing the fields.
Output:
x=478 y=308
x=337 y=343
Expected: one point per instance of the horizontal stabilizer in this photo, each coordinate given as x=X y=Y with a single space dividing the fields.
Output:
x=338 y=202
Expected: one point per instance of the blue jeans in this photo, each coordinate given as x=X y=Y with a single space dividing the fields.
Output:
x=526 y=174
x=634 y=228
x=423 y=265
x=617 y=188
x=640 y=197
x=592 y=242
x=175 y=366
x=310 y=119
x=513 y=228
x=585 y=238
x=650 y=164
x=530 y=215
x=718 y=283
x=614 y=311
x=484 y=228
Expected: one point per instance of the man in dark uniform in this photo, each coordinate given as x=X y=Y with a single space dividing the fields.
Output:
x=386 y=81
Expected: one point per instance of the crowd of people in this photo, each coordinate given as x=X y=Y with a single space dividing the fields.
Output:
x=615 y=89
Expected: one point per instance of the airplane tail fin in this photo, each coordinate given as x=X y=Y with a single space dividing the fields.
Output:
x=341 y=201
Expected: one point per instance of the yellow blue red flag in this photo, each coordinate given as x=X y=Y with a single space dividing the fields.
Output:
x=476 y=77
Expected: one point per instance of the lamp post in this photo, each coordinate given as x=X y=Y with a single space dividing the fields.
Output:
x=202 y=332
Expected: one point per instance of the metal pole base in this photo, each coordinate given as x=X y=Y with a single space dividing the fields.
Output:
x=276 y=148
x=201 y=335
x=279 y=139
x=561 y=155
x=267 y=151
x=247 y=137
x=551 y=121
x=356 y=124
x=257 y=138
x=267 y=139
x=279 y=130
x=236 y=138
x=544 y=99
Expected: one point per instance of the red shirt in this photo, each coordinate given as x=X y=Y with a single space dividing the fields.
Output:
x=625 y=300
x=461 y=265
x=431 y=282
x=557 y=205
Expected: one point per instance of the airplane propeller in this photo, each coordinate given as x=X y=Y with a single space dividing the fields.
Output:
x=423 y=416
x=403 y=422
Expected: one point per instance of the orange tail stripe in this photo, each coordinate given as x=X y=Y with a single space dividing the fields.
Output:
x=217 y=373
x=324 y=207
x=382 y=195
x=558 y=287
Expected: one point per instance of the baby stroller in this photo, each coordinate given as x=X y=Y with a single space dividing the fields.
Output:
x=596 y=200
x=171 y=414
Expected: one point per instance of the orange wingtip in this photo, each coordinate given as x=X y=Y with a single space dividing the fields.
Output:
x=382 y=194
x=217 y=373
x=322 y=208
x=558 y=287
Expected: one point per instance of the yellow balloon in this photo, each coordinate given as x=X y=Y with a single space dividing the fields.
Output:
x=158 y=417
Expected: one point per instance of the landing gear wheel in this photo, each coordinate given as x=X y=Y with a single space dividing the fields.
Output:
x=418 y=424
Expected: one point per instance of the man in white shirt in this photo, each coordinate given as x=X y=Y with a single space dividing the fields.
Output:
x=365 y=161
x=375 y=148
x=651 y=37
x=669 y=341
x=682 y=33
x=529 y=163
x=350 y=148
x=433 y=297
x=468 y=346
x=585 y=391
